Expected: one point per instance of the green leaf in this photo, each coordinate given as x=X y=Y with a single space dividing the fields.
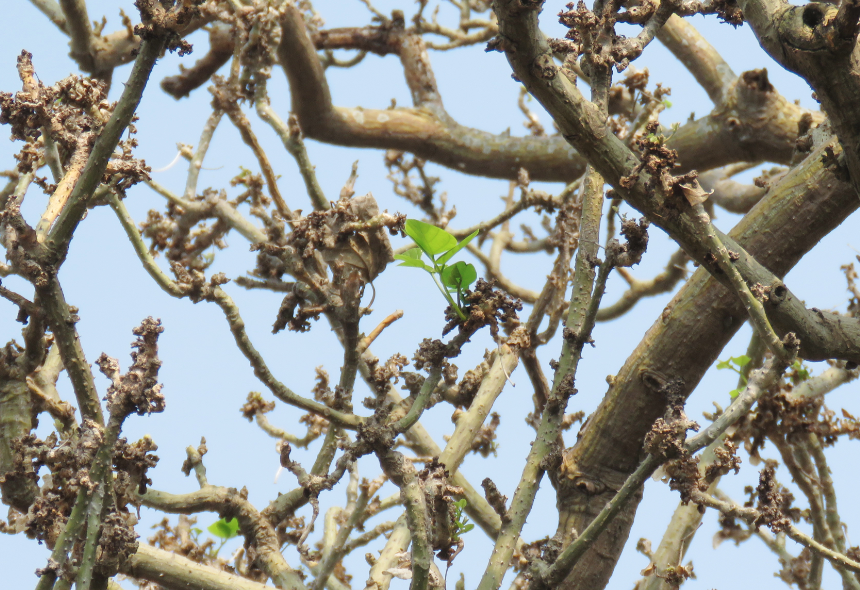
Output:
x=412 y=257
x=457 y=248
x=741 y=361
x=724 y=365
x=429 y=238
x=735 y=392
x=411 y=253
x=416 y=264
x=224 y=529
x=459 y=275
x=461 y=504
x=667 y=103
x=468 y=528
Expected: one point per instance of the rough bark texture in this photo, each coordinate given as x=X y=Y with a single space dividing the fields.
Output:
x=683 y=344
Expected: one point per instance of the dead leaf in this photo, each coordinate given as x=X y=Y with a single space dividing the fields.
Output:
x=367 y=251
x=648 y=570
x=694 y=193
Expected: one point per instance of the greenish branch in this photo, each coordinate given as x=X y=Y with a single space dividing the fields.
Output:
x=58 y=239
x=261 y=370
x=580 y=324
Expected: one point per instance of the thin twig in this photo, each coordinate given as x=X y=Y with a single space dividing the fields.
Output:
x=337 y=550
x=261 y=370
x=143 y=253
x=750 y=515
x=662 y=283
x=754 y=307
x=196 y=162
x=291 y=136
x=374 y=334
x=421 y=401
x=62 y=323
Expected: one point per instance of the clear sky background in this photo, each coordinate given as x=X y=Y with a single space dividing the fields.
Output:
x=205 y=377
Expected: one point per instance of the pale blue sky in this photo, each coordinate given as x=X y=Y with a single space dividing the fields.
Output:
x=206 y=379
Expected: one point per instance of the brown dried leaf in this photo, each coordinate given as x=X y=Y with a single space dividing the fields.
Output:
x=369 y=251
x=694 y=193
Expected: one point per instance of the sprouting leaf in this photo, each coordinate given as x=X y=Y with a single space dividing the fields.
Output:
x=429 y=238
x=224 y=529
x=412 y=257
x=433 y=241
x=414 y=263
x=736 y=363
x=741 y=361
x=458 y=247
x=468 y=528
x=667 y=103
x=410 y=253
x=459 y=276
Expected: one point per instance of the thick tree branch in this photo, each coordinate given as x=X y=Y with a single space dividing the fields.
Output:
x=699 y=57
x=229 y=503
x=52 y=10
x=760 y=382
x=818 y=42
x=688 y=336
x=752 y=123
x=175 y=572
x=81 y=32
x=657 y=197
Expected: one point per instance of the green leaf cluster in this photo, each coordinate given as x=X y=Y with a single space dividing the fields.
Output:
x=439 y=247
x=736 y=364
x=461 y=521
